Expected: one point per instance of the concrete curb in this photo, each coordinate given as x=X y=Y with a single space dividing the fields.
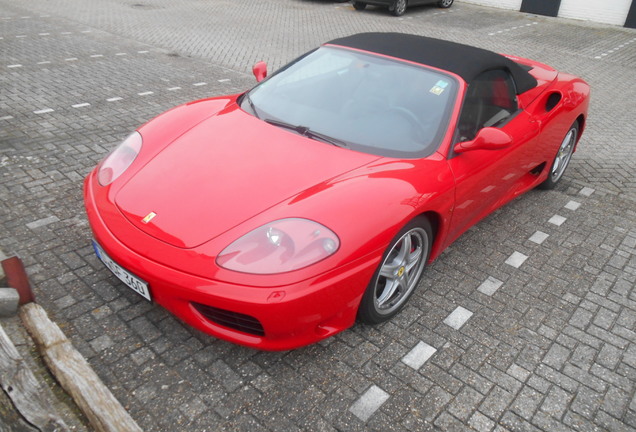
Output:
x=9 y=299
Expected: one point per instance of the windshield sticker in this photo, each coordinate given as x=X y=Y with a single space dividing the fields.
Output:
x=439 y=87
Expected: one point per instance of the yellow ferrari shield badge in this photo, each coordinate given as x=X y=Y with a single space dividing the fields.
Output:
x=148 y=217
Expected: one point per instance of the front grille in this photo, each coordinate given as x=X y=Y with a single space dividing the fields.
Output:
x=233 y=320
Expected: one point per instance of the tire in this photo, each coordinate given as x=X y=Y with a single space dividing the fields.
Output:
x=398 y=274
x=562 y=158
x=445 y=3
x=359 y=5
x=399 y=7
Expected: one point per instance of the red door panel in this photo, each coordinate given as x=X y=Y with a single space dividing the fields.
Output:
x=486 y=179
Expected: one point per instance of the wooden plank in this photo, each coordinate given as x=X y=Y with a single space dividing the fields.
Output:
x=29 y=397
x=73 y=372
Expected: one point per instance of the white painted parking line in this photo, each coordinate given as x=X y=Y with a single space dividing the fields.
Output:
x=516 y=259
x=490 y=286
x=146 y=93
x=369 y=403
x=538 y=237
x=586 y=191
x=121 y=54
x=113 y=99
x=13 y=66
x=42 y=222
x=43 y=111
x=174 y=88
x=7 y=117
x=224 y=80
x=199 y=84
x=613 y=50
x=458 y=317
x=419 y=355
x=21 y=36
x=66 y=33
x=43 y=34
x=448 y=11
x=81 y=105
x=143 y=52
x=557 y=220
x=512 y=28
x=85 y=31
x=97 y=55
x=573 y=205
x=70 y=59
x=44 y=62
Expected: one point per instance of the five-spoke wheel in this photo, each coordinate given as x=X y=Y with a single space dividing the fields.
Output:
x=398 y=274
x=562 y=158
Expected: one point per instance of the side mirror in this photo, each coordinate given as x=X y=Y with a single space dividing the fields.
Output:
x=488 y=138
x=260 y=71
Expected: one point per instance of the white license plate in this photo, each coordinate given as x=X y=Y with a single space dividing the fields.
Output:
x=138 y=285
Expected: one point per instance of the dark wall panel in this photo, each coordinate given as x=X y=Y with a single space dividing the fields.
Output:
x=542 y=7
x=631 y=16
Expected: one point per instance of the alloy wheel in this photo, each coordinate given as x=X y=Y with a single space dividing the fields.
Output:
x=400 y=271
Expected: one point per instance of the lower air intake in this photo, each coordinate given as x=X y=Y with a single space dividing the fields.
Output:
x=233 y=320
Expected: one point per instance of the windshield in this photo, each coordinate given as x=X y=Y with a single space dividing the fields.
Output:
x=369 y=103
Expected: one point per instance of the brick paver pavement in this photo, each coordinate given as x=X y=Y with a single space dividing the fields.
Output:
x=526 y=323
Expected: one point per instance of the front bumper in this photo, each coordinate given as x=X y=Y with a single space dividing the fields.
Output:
x=268 y=318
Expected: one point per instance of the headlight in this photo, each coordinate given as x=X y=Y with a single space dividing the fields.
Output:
x=280 y=246
x=119 y=159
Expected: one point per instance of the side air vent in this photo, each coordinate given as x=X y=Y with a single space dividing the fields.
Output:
x=233 y=320
x=538 y=169
x=552 y=101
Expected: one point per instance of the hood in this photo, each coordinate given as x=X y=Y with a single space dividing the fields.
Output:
x=223 y=171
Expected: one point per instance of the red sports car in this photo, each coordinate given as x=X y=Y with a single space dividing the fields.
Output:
x=276 y=217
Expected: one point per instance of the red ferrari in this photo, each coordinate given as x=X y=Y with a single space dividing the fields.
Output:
x=276 y=217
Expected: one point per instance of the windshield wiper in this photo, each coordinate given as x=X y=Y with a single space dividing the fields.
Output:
x=251 y=104
x=307 y=132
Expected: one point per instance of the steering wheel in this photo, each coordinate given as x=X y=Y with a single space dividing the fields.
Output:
x=418 y=128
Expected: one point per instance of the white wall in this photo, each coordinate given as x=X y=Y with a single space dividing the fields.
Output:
x=604 y=11
x=503 y=4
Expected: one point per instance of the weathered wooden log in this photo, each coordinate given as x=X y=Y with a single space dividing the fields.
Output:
x=73 y=372
x=28 y=395
x=10 y=419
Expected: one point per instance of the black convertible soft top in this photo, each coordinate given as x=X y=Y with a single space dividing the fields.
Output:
x=463 y=60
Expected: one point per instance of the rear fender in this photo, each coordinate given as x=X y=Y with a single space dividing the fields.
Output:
x=563 y=103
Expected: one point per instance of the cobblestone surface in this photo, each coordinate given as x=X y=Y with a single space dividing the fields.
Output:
x=548 y=343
